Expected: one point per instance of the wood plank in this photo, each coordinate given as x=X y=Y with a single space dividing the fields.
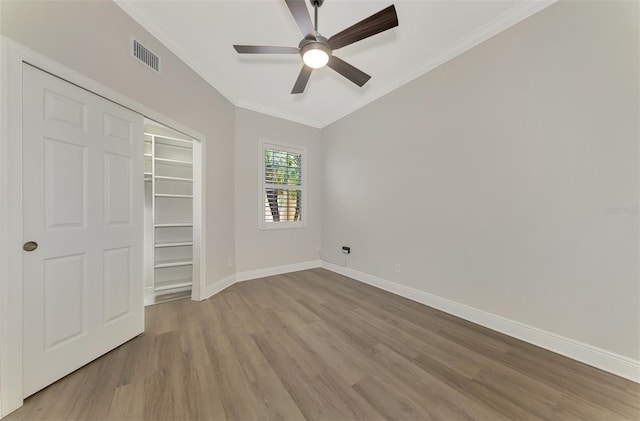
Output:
x=128 y=402
x=316 y=345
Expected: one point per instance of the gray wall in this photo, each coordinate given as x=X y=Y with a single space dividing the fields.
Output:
x=506 y=179
x=259 y=248
x=92 y=38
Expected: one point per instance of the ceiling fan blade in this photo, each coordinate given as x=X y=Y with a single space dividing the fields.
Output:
x=259 y=49
x=345 y=69
x=298 y=9
x=302 y=80
x=374 y=24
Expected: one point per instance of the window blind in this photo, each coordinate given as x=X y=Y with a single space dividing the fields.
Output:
x=283 y=185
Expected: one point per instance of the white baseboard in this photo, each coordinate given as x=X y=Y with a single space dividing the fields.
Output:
x=588 y=354
x=276 y=270
x=216 y=287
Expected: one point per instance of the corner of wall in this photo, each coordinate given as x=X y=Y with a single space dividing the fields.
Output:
x=222 y=284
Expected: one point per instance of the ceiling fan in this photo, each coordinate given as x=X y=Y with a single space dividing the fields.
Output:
x=317 y=51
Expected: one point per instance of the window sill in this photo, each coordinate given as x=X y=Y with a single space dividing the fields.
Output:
x=281 y=225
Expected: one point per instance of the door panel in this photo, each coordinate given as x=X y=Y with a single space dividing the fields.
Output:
x=64 y=110
x=65 y=173
x=117 y=196
x=117 y=283
x=82 y=204
x=65 y=308
x=118 y=129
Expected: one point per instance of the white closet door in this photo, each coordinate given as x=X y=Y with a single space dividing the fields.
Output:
x=82 y=204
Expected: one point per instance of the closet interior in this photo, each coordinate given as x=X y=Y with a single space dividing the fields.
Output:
x=169 y=214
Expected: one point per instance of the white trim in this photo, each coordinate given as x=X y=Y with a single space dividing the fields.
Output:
x=3 y=206
x=638 y=203
x=222 y=284
x=605 y=360
x=505 y=21
x=13 y=55
x=262 y=145
x=276 y=270
x=263 y=109
x=199 y=288
x=129 y=7
x=511 y=17
x=11 y=228
x=217 y=287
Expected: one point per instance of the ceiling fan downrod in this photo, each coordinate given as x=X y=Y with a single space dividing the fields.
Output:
x=316 y=4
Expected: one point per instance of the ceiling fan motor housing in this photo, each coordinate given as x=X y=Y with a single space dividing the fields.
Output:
x=320 y=43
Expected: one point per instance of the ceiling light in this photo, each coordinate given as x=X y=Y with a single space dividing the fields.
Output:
x=315 y=57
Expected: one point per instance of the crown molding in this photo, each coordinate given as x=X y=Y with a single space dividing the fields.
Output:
x=509 y=18
x=130 y=8
x=263 y=109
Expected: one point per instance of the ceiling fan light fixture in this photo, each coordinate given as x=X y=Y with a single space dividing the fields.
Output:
x=315 y=55
x=315 y=58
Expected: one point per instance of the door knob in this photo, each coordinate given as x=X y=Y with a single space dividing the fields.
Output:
x=30 y=246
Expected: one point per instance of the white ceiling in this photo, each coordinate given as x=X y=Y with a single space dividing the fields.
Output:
x=430 y=32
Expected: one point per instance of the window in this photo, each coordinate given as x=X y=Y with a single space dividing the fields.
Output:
x=282 y=193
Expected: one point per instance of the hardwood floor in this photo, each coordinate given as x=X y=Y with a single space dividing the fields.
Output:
x=316 y=345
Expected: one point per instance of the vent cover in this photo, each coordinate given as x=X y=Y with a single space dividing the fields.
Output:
x=145 y=55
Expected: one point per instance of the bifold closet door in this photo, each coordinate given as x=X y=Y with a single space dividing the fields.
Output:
x=82 y=227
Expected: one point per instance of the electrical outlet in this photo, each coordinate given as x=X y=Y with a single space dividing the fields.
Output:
x=398 y=269
x=346 y=249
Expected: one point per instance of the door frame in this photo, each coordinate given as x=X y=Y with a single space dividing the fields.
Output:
x=12 y=56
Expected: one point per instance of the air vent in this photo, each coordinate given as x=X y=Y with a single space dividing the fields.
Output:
x=143 y=54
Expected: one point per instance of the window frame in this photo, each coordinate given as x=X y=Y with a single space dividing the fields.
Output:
x=264 y=144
